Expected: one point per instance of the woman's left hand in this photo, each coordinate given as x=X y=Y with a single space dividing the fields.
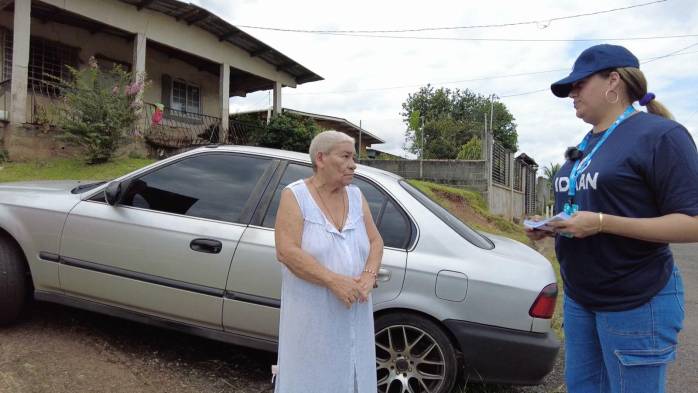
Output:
x=366 y=283
x=581 y=225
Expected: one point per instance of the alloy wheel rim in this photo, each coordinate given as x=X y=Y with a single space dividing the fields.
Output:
x=408 y=360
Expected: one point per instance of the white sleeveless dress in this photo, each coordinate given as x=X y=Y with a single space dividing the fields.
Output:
x=323 y=346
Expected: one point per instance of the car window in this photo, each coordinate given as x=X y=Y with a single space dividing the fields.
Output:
x=394 y=227
x=392 y=223
x=374 y=197
x=293 y=172
x=449 y=219
x=215 y=186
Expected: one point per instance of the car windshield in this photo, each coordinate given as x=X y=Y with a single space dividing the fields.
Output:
x=452 y=221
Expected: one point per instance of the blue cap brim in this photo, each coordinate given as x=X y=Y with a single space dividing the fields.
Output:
x=563 y=87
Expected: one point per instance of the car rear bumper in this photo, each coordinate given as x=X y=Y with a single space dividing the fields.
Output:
x=496 y=355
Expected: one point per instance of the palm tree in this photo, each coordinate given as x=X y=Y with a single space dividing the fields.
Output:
x=549 y=172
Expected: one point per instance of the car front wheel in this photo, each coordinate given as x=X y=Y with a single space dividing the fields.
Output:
x=413 y=354
x=13 y=283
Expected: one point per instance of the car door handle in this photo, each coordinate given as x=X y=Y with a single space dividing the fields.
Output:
x=383 y=275
x=208 y=246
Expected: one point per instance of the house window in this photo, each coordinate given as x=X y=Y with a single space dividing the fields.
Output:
x=46 y=58
x=186 y=97
x=49 y=59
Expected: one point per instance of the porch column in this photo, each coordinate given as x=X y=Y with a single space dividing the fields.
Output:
x=20 y=61
x=224 y=89
x=139 y=44
x=276 y=110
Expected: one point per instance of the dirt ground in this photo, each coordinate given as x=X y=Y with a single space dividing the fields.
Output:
x=59 y=350
x=56 y=349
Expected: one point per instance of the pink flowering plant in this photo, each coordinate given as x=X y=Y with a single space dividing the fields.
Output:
x=99 y=108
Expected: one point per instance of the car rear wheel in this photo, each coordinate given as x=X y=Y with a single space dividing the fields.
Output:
x=413 y=354
x=13 y=281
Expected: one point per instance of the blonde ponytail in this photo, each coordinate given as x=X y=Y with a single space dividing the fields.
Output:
x=637 y=88
x=658 y=108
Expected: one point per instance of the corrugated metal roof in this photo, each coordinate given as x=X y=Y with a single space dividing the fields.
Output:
x=224 y=31
x=338 y=121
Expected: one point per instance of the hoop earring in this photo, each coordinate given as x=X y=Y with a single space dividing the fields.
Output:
x=614 y=92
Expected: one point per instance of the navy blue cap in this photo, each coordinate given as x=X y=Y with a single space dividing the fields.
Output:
x=592 y=60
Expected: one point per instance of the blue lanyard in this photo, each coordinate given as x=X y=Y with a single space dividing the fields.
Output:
x=581 y=165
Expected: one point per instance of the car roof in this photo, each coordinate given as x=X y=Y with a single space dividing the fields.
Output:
x=293 y=156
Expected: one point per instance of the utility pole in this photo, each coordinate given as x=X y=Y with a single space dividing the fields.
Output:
x=492 y=97
x=360 y=129
x=421 y=153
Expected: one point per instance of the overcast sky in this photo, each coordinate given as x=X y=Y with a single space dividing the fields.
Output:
x=361 y=73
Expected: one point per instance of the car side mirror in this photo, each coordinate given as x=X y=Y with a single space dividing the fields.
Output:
x=112 y=193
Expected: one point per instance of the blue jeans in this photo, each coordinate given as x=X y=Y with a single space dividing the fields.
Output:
x=623 y=351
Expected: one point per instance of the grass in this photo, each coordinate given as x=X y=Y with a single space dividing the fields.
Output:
x=68 y=169
x=450 y=198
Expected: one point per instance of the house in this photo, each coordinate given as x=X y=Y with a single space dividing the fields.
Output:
x=364 y=139
x=375 y=154
x=194 y=61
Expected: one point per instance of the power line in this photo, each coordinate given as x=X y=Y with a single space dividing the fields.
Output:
x=439 y=83
x=690 y=116
x=651 y=59
x=670 y=54
x=541 y=22
x=524 y=93
x=674 y=53
x=471 y=39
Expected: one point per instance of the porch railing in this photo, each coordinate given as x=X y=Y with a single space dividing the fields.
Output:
x=239 y=132
x=171 y=128
x=44 y=100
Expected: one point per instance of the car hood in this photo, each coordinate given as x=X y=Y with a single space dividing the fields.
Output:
x=44 y=186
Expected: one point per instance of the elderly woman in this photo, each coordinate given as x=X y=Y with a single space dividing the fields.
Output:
x=331 y=250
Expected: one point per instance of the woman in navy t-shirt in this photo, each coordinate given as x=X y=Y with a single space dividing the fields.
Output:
x=631 y=186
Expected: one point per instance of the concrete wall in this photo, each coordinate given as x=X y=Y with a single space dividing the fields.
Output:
x=471 y=174
x=543 y=197
x=507 y=203
x=519 y=207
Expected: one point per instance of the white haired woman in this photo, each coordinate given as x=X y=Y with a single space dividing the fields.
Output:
x=331 y=250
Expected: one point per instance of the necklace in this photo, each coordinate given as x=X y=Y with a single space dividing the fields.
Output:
x=344 y=208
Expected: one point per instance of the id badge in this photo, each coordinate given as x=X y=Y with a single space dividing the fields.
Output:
x=570 y=208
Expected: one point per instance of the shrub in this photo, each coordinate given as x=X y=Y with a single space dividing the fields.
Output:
x=98 y=108
x=286 y=131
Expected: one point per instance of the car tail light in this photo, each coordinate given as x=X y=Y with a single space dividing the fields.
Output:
x=544 y=306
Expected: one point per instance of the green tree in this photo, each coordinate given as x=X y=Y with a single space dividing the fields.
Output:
x=285 y=131
x=98 y=108
x=443 y=137
x=471 y=150
x=462 y=112
x=549 y=173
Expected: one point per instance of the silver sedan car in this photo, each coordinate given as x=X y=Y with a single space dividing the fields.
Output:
x=187 y=243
